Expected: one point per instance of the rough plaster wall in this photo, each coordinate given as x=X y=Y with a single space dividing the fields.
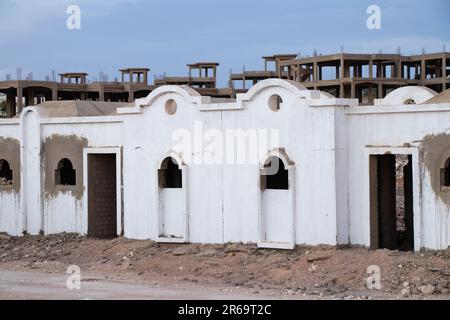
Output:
x=64 y=206
x=394 y=130
x=435 y=150
x=10 y=194
x=55 y=148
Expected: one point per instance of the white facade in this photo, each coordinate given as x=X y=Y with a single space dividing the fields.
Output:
x=324 y=144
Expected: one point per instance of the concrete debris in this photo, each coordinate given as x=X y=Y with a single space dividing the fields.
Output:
x=427 y=289
x=341 y=273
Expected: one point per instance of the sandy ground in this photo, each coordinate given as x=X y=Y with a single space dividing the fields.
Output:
x=34 y=285
x=35 y=268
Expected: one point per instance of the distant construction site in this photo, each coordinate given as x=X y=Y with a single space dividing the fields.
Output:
x=365 y=77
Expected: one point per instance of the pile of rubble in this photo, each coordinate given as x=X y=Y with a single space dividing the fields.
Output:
x=322 y=271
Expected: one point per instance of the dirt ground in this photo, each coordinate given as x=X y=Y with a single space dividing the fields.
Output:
x=306 y=272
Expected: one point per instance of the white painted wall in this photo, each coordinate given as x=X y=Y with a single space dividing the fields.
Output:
x=391 y=127
x=326 y=141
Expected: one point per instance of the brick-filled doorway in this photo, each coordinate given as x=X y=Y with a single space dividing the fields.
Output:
x=102 y=196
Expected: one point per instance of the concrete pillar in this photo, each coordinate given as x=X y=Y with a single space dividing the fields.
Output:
x=398 y=68
x=10 y=104
x=380 y=90
x=315 y=71
x=341 y=91
x=101 y=94
x=130 y=96
x=444 y=73
x=19 y=98
x=352 y=90
x=370 y=68
x=422 y=69
x=55 y=94
x=342 y=73
x=30 y=97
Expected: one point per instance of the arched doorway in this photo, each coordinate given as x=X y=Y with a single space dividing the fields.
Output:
x=277 y=203
x=172 y=205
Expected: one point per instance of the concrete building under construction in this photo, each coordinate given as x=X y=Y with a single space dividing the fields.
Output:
x=362 y=76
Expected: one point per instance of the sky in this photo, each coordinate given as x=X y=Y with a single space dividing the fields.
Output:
x=165 y=35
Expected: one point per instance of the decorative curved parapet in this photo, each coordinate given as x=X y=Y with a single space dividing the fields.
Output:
x=406 y=95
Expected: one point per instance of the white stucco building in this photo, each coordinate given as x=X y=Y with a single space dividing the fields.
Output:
x=103 y=169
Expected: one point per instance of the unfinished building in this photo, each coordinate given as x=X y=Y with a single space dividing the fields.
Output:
x=106 y=169
x=362 y=76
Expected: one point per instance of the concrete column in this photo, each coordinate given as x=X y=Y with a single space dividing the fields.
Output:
x=10 y=104
x=19 y=99
x=422 y=69
x=30 y=97
x=55 y=94
x=130 y=96
x=380 y=90
x=352 y=90
x=341 y=91
x=101 y=94
x=444 y=72
x=370 y=93
x=315 y=71
x=398 y=68
x=371 y=68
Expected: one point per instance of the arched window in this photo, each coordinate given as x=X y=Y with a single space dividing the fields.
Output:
x=65 y=175
x=169 y=175
x=275 y=102
x=445 y=174
x=6 y=174
x=275 y=176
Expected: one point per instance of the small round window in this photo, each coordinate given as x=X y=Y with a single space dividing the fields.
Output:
x=275 y=102
x=171 y=107
x=409 y=101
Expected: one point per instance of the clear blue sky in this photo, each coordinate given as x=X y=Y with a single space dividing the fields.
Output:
x=165 y=35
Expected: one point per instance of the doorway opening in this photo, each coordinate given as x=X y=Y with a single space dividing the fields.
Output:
x=172 y=210
x=102 y=196
x=391 y=202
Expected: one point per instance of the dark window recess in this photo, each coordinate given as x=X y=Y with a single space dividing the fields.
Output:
x=169 y=176
x=65 y=175
x=272 y=180
x=6 y=174
x=445 y=174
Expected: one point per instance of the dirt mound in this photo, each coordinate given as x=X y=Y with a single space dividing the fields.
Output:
x=323 y=271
